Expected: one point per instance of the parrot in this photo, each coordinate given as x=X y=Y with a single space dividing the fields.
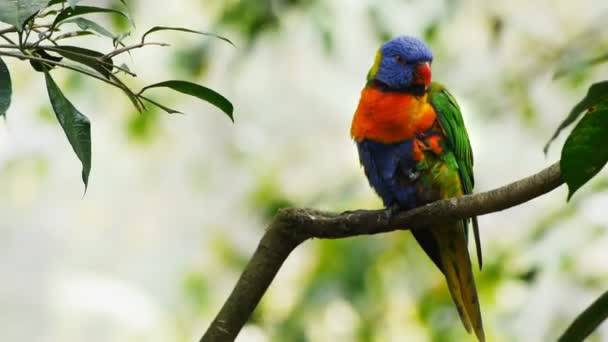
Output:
x=414 y=149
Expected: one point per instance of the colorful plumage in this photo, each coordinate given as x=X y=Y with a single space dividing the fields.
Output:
x=414 y=148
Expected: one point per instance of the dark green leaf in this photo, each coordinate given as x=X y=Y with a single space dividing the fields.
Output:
x=81 y=10
x=92 y=59
x=41 y=66
x=587 y=321
x=597 y=93
x=585 y=153
x=76 y=126
x=86 y=24
x=181 y=29
x=198 y=91
x=17 y=12
x=6 y=88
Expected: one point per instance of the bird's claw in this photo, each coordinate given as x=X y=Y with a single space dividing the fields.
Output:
x=392 y=211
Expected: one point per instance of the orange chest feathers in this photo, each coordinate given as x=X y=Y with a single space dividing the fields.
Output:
x=390 y=117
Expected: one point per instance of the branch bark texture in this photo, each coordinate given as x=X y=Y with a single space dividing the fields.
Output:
x=293 y=226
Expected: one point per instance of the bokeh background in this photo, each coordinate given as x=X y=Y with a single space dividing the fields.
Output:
x=177 y=203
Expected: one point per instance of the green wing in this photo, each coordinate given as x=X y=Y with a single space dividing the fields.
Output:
x=452 y=123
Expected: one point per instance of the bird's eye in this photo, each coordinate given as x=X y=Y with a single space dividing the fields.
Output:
x=399 y=59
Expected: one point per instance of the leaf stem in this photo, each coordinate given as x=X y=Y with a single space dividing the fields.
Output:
x=113 y=82
x=10 y=41
x=8 y=30
x=132 y=47
x=99 y=60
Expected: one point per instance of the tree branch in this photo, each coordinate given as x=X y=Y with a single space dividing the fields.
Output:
x=293 y=226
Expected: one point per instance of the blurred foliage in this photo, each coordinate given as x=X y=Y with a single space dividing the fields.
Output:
x=267 y=199
x=372 y=276
x=142 y=127
x=378 y=24
x=254 y=17
x=192 y=60
x=230 y=255
x=196 y=289
x=520 y=93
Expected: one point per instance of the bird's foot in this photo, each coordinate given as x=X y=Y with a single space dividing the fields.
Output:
x=392 y=211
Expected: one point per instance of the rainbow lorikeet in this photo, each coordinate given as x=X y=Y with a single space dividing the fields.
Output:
x=414 y=148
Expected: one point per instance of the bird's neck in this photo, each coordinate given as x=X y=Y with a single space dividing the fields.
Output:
x=413 y=90
x=391 y=116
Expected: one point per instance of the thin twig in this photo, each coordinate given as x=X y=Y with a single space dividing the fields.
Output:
x=9 y=46
x=20 y=36
x=10 y=41
x=99 y=60
x=59 y=64
x=114 y=81
x=28 y=32
x=14 y=30
x=132 y=47
x=45 y=35
x=9 y=30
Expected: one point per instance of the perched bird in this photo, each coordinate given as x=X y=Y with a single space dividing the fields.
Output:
x=415 y=149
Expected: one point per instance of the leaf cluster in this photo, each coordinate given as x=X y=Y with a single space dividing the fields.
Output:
x=38 y=32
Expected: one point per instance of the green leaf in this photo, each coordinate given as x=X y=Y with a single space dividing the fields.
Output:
x=92 y=59
x=597 y=93
x=587 y=321
x=46 y=14
x=86 y=24
x=585 y=153
x=81 y=10
x=181 y=29
x=17 y=12
x=76 y=126
x=6 y=88
x=198 y=91
x=41 y=66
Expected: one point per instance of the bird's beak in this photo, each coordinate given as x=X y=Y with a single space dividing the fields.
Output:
x=422 y=74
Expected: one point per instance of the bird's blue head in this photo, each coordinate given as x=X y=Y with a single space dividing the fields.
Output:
x=403 y=63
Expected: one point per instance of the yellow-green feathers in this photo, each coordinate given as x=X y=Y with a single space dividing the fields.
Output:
x=452 y=257
x=374 y=69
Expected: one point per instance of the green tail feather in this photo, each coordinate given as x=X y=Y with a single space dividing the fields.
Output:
x=456 y=266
